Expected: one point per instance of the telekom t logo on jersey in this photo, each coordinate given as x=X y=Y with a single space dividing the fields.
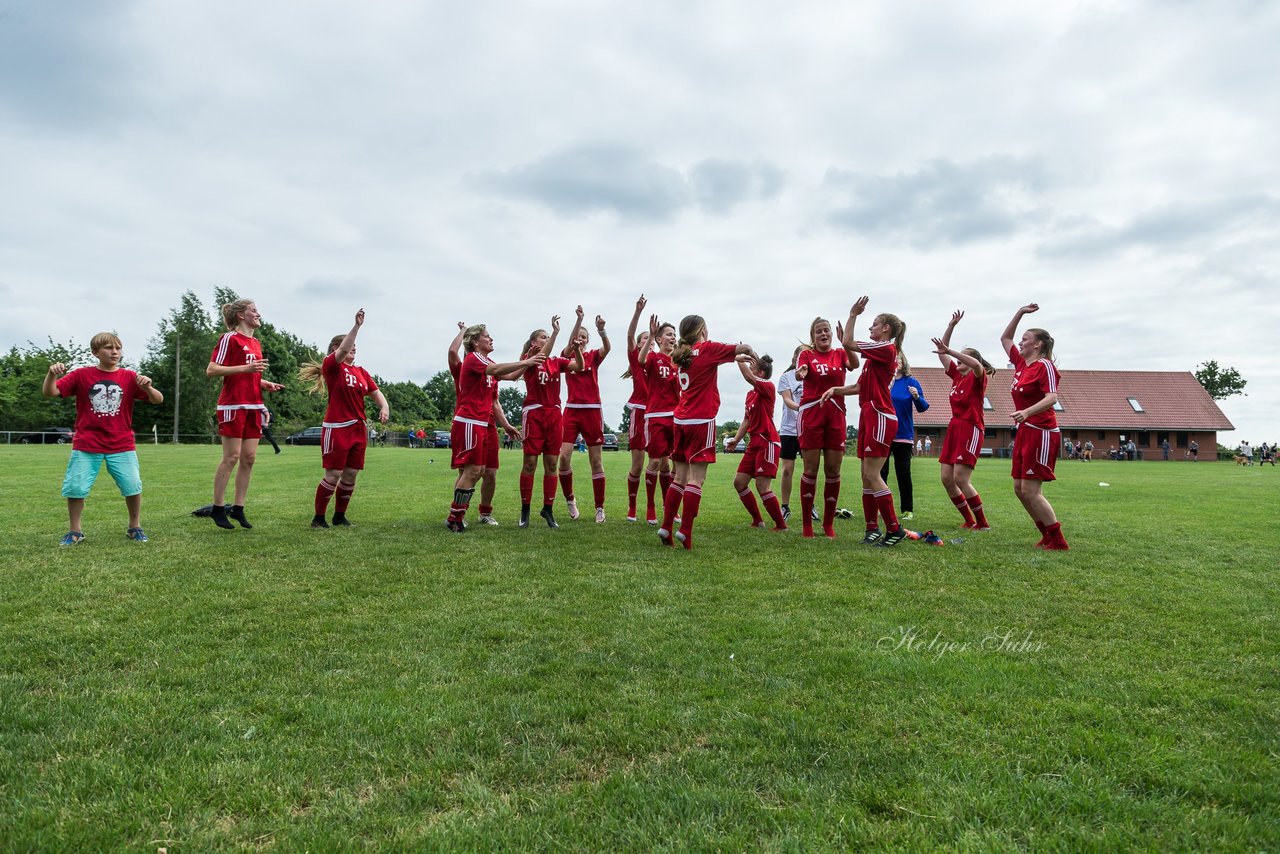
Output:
x=353 y=381
x=823 y=368
x=664 y=372
x=543 y=377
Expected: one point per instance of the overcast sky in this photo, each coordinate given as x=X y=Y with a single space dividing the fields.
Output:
x=756 y=163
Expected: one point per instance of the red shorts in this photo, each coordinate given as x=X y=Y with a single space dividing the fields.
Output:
x=469 y=444
x=760 y=459
x=343 y=447
x=659 y=436
x=821 y=425
x=1035 y=453
x=240 y=423
x=875 y=432
x=635 y=429
x=695 y=443
x=962 y=444
x=540 y=431
x=588 y=422
x=491 y=445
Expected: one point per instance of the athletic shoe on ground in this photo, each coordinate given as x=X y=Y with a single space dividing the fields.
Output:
x=340 y=520
x=136 y=535
x=844 y=513
x=664 y=537
x=685 y=541
x=524 y=516
x=913 y=535
x=599 y=515
x=631 y=518
x=981 y=527
x=906 y=517
x=546 y=513
x=972 y=526
x=237 y=513
x=652 y=521
x=573 y=509
x=872 y=536
x=814 y=514
x=929 y=538
x=70 y=538
x=786 y=512
x=894 y=537
x=488 y=520
x=457 y=527
x=318 y=522
x=219 y=516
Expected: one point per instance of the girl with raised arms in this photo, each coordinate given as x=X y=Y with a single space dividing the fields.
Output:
x=489 y=479
x=1037 y=440
x=877 y=421
x=541 y=418
x=821 y=423
x=659 y=416
x=477 y=393
x=584 y=416
x=760 y=460
x=637 y=346
x=698 y=361
x=969 y=374
x=343 y=434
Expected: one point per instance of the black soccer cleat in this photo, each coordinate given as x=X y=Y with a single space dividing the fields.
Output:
x=340 y=520
x=893 y=538
x=546 y=513
x=237 y=513
x=873 y=536
x=524 y=515
x=318 y=521
x=219 y=516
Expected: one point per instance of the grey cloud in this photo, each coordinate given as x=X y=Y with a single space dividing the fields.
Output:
x=592 y=178
x=65 y=64
x=1169 y=226
x=329 y=287
x=719 y=185
x=942 y=203
x=619 y=179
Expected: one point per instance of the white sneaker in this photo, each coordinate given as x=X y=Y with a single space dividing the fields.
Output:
x=599 y=515
x=488 y=520
x=573 y=509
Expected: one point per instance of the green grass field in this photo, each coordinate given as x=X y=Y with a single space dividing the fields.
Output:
x=393 y=685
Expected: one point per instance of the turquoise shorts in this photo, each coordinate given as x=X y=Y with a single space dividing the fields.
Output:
x=83 y=468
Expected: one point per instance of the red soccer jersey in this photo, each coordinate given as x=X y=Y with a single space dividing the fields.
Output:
x=759 y=417
x=584 y=385
x=542 y=383
x=967 y=391
x=1031 y=383
x=639 y=384
x=664 y=384
x=348 y=385
x=879 y=364
x=475 y=390
x=239 y=391
x=699 y=393
x=104 y=408
x=826 y=370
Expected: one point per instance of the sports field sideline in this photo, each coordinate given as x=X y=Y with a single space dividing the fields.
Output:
x=393 y=684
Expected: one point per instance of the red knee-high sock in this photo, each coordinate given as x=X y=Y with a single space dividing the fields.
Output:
x=962 y=504
x=774 y=509
x=633 y=489
x=869 y=509
x=692 y=498
x=808 y=486
x=343 y=497
x=1054 y=541
x=548 y=490
x=566 y=484
x=671 y=506
x=526 y=488
x=650 y=484
x=830 y=497
x=666 y=478
x=1044 y=532
x=749 y=501
x=597 y=486
x=979 y=518
x=884 y=503
x=324 y=491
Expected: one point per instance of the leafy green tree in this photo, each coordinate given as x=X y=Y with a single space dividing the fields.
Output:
x=22 y=373
x=443 y=397
x=1221 y=383
x=175 y=360
x=624 y=426
x=409 y=402
x=512 y=402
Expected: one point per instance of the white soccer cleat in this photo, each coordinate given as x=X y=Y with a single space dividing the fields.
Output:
x=488 y=520
x=573 y=509
x=599 y=515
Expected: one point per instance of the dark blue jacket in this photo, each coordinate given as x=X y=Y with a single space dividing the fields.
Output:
x=903 y=405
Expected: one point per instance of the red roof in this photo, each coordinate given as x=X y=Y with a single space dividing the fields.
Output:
x=1094 y=400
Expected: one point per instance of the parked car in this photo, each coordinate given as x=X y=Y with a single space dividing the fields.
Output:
x=740 y=448
x=309 y=436
x=610 y=442
x=48 y=436
x=440 y=439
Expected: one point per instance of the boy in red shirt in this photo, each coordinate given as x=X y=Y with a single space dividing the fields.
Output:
x=104 y=430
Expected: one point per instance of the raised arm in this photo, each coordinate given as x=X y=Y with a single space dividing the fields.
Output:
x=745 y=350
x=653 y=339
x=946 y=354
x=454 y=358
x=1006 y=338
x=945 y=341
x=550 y=346
x=635 y=323
x=855 y=311
x=511 y=370
x=153 y=394
x=349 y=340
x=605 y=346
x=744 y=365
x=50 y=387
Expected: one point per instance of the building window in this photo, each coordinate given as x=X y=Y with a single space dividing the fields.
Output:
x=986 y=404
x=990 y=432
x=1102 y=435
x=1184 y=439
x=1144 y=439
x=1137 y=407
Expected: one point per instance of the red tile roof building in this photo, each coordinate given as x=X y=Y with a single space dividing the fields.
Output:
x=1100 y=406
